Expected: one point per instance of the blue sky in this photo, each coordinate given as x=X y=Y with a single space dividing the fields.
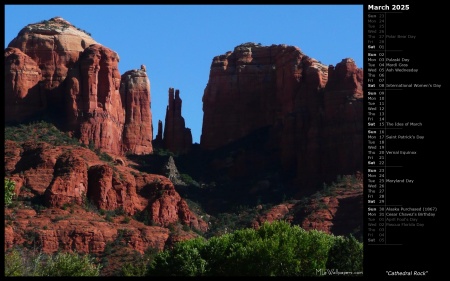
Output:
x=178 y=42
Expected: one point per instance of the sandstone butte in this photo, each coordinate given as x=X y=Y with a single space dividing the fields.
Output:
x=312 y=113
x=53 y=69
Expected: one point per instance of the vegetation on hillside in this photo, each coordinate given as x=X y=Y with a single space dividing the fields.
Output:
x=39 y=131
x=230 y=247
x=275 y=249
x=9 y=191
x=19 y=263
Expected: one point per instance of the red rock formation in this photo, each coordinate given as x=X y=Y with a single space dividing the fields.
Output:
x=94 y=107
x=54 y=46
x=13 y=152
x=159 y=135
x=342 y=130
x=248 y=89
x=111 y=189
x=165 y=206
x=70 y=175
x=278 y=212
x=70 y=181
x=76 y=229
x=313 y=122
x=88 y=104
x=34 y=166
x=135 y=92
x=66 y=174
x=330 y=134
x=177 y=138
x=23 y=98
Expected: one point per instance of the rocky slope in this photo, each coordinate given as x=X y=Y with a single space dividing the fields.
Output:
x=64 y=194
x=338 y=209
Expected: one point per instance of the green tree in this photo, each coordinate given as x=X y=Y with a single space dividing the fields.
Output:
x=275 y=249
x=13 y=264
x=183 y=260
x=346 y=255
x=68 y=264
x=9 y=191
x=138 y=268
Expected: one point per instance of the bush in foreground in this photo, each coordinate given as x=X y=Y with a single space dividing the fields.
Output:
x=275 y=249
x=17 y=263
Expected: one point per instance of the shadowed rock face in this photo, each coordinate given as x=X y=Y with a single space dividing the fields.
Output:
x=312 y=113
x=177 y=138
x=23 y=98
x=339 y=212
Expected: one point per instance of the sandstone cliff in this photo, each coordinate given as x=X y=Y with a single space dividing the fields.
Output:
x=23 y=98
x=56 y=71
x=54 y=46
x=135 y=93
x=94 y=108
x=311 y=113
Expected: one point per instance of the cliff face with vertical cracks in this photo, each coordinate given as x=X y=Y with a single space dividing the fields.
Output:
x=135 y=92
x=311 y=113
x=55 y=70
x=248 y=89
x=93 y=104
x=177 y=138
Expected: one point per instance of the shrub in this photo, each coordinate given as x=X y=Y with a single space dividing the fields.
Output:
x=275 y=249
x=133 y=269
x=9 y=191
x=126 y=219
x=104 y=156
x=187 y=179
x=346 y=254
x=68 y=264
x=183 y=260
x=13 y=264
x=19 y=263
